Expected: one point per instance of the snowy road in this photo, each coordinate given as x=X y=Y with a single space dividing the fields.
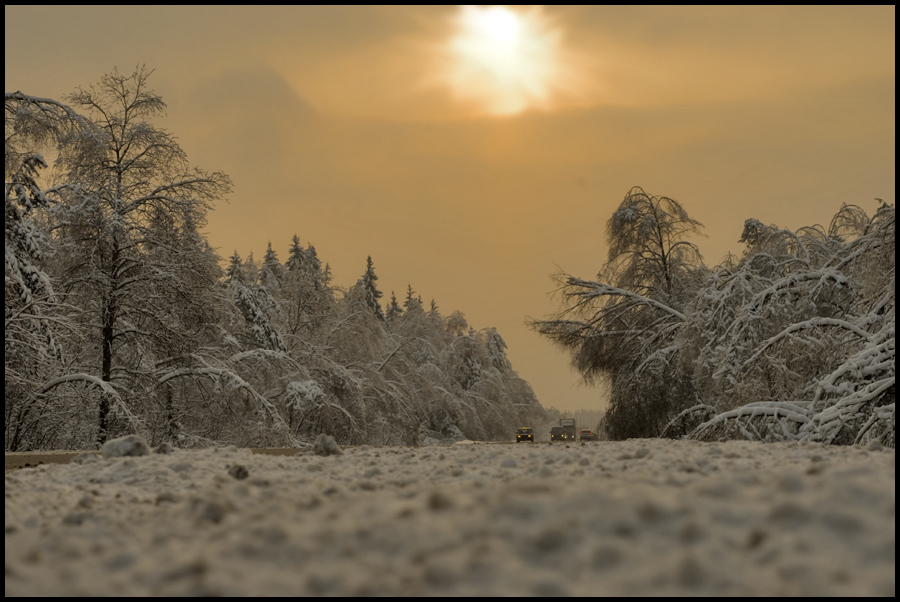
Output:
x=640 y=517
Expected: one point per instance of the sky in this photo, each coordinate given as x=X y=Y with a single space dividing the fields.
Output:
x=473 y=152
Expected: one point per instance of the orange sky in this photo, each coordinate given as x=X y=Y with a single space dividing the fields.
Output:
x=354 y=128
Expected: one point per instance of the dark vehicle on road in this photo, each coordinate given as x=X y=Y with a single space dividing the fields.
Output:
x=588 y=435
x=557 y=433
x=525 y=434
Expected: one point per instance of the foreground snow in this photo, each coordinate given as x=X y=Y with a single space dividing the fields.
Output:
x=640 y=517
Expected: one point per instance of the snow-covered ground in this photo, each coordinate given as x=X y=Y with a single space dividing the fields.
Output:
x=640 y=517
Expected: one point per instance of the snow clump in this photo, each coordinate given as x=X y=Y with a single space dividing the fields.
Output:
x=129 y=445
x=325 y=445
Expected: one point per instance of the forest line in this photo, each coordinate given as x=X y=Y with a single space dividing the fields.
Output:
x=121 y=319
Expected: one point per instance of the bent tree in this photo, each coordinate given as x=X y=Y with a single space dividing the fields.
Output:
x=621 y=329
x=794 y=340
x=127 y=229
x=35 y=320
x=797 y=341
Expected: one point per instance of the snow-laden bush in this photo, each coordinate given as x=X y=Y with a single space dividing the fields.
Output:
x=793 y=340
x=810 y=356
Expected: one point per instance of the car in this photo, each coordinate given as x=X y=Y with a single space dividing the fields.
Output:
x=588 y=435
x=557 y=433
x=526 y=433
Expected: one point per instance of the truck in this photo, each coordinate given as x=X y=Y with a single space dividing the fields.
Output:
x=569 y=425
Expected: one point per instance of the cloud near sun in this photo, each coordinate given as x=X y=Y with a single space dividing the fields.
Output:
x=507 y=61
x=436 y=63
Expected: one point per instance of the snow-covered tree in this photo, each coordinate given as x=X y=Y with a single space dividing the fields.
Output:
x=296 y=255
x=25 y=279
x=36 y=318
x=457 y=324
x=411 y=299
x=271 y=271
x=133 y=192
x=235 y=270
x=257 y=306
x=31 y=125
x=809 y=351
x=305 y=297
x=251 y=269
x=372 y=293
x=649 y=250
x=393 y=311
x=622 y=329
x=496 y=347
x=166 y=343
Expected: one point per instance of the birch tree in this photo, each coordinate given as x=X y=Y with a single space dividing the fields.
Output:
x=128 y=231
x=621 y=329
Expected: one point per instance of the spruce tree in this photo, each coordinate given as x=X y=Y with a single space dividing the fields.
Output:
x=296 y=255
x=271 y=265
x=235 y=270
x=409 y=296
x=251 y=271
x=372 y=292
x=314 y=266
x=394 y=310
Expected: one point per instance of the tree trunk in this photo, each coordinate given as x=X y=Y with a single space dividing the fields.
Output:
x=109 y=319
x=171 y=429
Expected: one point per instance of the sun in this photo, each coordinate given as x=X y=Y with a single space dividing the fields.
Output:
x=503 y=59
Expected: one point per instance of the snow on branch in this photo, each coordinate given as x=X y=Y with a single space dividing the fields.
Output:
x=104 y=386
x=596 y=289
x=656 y=355
x=107 y=388
x=811 y=323
x=239 y=383
x=262 y=355
x=793 y=279
x=42 y=103
x=878 y=357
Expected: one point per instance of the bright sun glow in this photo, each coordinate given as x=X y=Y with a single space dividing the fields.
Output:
x=503 y=59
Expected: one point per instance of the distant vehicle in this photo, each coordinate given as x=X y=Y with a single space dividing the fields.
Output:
x=588 y=435
x=557 y=433
x=525 y=434
x=569 y=425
